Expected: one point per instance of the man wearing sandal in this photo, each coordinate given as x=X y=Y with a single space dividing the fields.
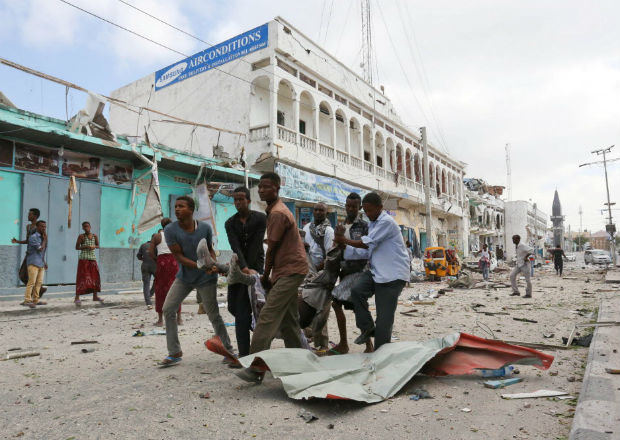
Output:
x=35 y=260
x=183 y=237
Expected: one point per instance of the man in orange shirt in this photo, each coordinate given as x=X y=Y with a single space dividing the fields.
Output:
x=285 y=269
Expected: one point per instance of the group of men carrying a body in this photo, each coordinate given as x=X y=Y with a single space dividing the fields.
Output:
x=373 y=252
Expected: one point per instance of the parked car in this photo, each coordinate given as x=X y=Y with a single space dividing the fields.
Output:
x=596 y=256
x=571 y=257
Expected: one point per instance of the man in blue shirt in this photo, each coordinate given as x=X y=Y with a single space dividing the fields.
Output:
x=389 y=271
x=35 y=261
x=182 y=238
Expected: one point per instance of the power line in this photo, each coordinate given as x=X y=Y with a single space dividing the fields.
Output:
x=165 y=22
x=401 y=65
x=124 y=28
x=421 y=71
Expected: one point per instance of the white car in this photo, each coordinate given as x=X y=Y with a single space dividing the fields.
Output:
x=571 y=257
x=596 y=256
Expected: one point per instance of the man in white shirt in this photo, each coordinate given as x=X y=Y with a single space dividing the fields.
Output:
x=389 y=271
x=522 y=266
x=319 y=236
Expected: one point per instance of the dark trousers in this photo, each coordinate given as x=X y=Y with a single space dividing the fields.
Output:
x=386 y=300
x=559 y=266
x=239 y=306
x=147 y=289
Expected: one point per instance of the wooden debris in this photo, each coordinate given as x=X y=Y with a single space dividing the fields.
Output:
x=83 y=342
x=525 y=320
x=22 y=354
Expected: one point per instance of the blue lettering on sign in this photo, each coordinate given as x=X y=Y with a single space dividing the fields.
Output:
x=215 y=56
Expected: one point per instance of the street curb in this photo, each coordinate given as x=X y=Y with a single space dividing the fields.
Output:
x=597 y=415
x=50 y=308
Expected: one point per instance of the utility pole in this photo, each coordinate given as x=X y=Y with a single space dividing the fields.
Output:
x=427 y=190
x=609 y=227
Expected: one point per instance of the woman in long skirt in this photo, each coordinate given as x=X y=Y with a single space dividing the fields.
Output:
x=87 y=279
x=165 y=273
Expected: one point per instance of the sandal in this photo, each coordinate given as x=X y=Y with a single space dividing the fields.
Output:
x=99 y=299
x=169 y=361
x=77 y=302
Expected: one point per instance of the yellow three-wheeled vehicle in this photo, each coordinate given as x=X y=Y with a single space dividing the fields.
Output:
x=440 y=262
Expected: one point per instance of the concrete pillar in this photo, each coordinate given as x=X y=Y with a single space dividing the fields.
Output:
x=361 y=136
x=373 y=155
x=273 y=110
x=317 y=112
x=347 y=135
x=333 y=143
x=295 y=127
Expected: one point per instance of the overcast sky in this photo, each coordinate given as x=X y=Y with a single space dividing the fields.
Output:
x=543 y=76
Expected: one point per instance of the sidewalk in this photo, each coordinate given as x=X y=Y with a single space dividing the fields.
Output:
x=61 y=302
x=597 y=415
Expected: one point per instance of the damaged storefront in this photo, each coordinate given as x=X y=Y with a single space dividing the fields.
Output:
x=72 y=177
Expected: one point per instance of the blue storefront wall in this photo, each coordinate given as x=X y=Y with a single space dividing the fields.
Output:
x=117 y=226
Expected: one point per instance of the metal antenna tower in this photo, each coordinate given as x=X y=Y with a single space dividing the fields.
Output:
x=366 y=41
x=508 y=173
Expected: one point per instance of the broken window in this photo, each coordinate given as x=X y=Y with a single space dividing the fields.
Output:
x=117 y=173
x=280 y=118
x=36 y=159
x=80 y=165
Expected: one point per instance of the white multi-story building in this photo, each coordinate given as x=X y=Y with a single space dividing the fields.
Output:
x=287 y=105
x=526 y=220
x=486 y=215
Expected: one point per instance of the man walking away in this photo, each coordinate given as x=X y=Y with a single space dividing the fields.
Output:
x=147 y=268
x=558 y=262
x=353 y=264
x=35 y=260
x=522 y=267
x=182 y=238
x=33 y=216
x=285 y=269
x=246 y=231
x=389 y=271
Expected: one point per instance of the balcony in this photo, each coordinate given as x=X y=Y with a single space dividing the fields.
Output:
x=326 y=150
x=259 y=133
x=287 y=135
x=342 y=156
x=307 y=143
x=326 y=159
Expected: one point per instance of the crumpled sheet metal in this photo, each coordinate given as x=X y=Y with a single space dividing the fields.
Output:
x=374 y=377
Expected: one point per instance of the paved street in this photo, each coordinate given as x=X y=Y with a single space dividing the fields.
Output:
x=118 y=391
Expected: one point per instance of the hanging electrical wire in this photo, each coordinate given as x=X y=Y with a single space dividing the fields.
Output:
x=420 y=69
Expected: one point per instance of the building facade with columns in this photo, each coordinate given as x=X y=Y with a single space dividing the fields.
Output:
x=272 y=99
